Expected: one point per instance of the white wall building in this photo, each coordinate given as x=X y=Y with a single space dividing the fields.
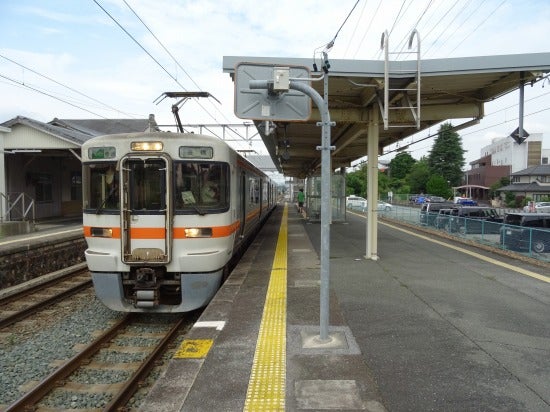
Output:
x=504 y=151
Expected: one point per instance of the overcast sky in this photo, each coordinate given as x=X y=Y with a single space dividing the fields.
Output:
x=78 y=59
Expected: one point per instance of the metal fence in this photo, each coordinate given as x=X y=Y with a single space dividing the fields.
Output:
x=531 y=242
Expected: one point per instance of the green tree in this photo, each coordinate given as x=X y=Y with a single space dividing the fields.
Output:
x=493 y=190
x=400 y=165
x=356 y=183
x=437 y=185
x=418 y=177
x=447 y=155
x=383 y=184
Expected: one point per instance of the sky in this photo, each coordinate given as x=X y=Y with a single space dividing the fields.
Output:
x=86 y=59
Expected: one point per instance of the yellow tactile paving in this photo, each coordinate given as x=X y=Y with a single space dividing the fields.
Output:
x=266 y=388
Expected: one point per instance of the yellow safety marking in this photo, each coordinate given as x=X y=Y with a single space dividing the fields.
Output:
x=266 y=387
x=193 y=348
x=477 y=255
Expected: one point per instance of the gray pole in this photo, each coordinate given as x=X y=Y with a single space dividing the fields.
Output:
x=325 y=194
x=521 y=103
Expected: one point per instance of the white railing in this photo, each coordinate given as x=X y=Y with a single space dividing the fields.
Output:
x=16 y=207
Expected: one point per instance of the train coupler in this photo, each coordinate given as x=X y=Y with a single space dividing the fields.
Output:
x=146 y=289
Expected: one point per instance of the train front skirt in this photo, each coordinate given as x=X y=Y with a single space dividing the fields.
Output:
x=194 y=291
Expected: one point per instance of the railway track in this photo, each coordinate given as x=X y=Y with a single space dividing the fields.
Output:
x=30 y=300
x=95 y=380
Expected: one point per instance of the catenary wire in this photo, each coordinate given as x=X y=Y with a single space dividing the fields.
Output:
x=491 y=14
x=368 y=28
x=342 y=25
x=457 y=26
x=356 y=26
x=63 y=85
x=182 y=68
x=175 y=60
x=403 y=43
x=49 y=95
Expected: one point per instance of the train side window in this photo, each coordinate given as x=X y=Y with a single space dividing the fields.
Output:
x=254 y=191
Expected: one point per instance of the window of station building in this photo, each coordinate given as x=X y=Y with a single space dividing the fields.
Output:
x=43 y=187
x=76 y=185
x=201 y=187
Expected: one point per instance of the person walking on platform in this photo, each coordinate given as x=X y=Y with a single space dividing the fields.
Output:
x=301 y=199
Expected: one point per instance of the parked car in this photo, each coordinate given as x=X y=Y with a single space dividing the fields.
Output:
x=386 y=207
x=538 y=207
x=442 y=219
x=465 y=201
x=420 y=200
x=435 y=199
x=526 y=231
x=430 y=210
x=356 y=202
x=475 y=219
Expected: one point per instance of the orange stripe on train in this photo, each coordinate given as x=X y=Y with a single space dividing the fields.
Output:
x=159 y=233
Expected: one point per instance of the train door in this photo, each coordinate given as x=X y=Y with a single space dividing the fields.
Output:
x=146 y=223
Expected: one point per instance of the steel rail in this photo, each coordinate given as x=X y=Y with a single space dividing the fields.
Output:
x=29 y=310
x=73 y=272
x=51 y=381
x=121 y=399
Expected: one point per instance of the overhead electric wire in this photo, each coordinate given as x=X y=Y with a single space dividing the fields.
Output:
x=478 y=26
x=477 y=130
x=356 y=26
x=149 y=54
x=180 y=66
x=331 y=43
x=368 y=28
x=63 y=85
x=49 y=95
x=457 y=26
x=139 y=44
x=403 y=43
x=397 y=18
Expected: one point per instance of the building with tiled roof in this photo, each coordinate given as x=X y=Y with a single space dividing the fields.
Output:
x=40 y=163
x=532 y=182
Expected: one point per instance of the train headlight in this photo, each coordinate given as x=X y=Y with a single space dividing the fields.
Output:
x=146 y=146
x=101 y=232
x=198 y=232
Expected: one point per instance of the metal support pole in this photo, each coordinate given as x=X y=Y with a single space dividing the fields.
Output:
x=521 y=104
x=372 y=188
x=325 y=194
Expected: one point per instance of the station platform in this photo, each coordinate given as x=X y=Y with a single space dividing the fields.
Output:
x=47 y=231
x=400 y=341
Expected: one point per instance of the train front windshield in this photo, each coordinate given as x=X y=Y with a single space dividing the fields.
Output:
x=101 y=187
x=198 y=187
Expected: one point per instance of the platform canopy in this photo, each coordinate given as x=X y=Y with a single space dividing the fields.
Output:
x=455 y=88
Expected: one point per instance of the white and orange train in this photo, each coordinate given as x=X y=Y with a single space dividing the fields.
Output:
x=164 y=214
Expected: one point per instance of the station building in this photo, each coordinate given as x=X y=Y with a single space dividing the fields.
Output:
x=40 y=164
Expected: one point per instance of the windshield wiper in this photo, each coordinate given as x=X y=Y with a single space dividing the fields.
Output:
x=198 y=210
x=102 y=205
